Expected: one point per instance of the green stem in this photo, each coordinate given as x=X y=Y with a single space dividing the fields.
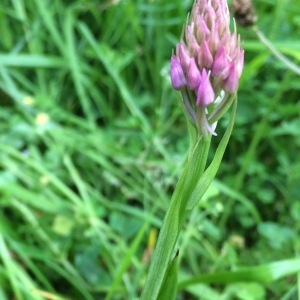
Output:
x=164 y=249
x=288 y=63
x=174 y=219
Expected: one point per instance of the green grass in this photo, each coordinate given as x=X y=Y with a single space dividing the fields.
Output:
x=80 y=192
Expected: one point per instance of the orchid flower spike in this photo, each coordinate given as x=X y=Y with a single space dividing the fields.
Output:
x=209 y=59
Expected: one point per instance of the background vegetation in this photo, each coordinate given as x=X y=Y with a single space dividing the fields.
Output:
x=92 y=142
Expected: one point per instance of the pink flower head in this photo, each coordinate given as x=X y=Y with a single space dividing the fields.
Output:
x=207 y=39
x=209 y=59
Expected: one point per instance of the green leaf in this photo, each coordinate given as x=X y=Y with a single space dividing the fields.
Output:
x=263 y=274
x=247 y=291
x=169 y=286
x=31 y=61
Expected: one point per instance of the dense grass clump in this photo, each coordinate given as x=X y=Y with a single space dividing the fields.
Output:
x=92 y=142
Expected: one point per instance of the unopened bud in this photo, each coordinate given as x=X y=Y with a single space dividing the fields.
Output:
x=193 y=75
x=183 y=55
x=220 y=66
x=206 y=94
x=177 y=76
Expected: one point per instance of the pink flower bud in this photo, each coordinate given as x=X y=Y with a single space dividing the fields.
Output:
x=205 y=58
x=193 y=75
x=184 y=57
x=235 y=71
x=223 y=14
x=193 y=45
x=202 y=30
x=177 y=76
x=231 y=82
x=205 y=94
x=210 y=17
x=213 y=39
x=221 y=64
x=232 y=43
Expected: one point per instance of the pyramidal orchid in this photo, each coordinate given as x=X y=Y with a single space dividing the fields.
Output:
x=208 y=61
x=206 y=69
